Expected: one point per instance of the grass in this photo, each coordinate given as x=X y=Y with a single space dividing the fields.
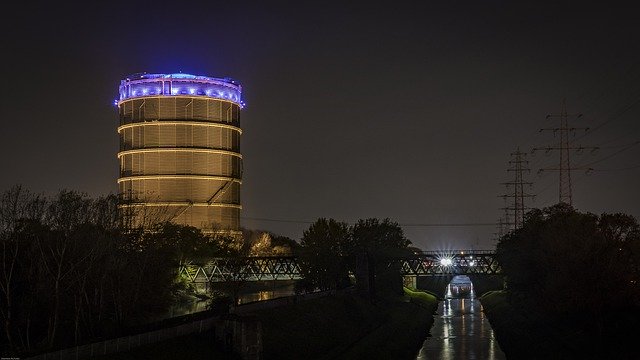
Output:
x=317 y=328
x=519 y=337
x=508 y=324
x=350 y=327
x=523 y=335
x=423 y=298
x=402 y=334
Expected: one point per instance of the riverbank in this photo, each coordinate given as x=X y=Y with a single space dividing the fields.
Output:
x=523 y=334
x=340 y=326
x=348 y=326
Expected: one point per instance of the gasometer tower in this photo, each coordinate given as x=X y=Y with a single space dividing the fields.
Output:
x=180 y=150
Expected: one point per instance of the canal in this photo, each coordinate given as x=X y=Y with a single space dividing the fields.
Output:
x=254 y=291
x=460 y=329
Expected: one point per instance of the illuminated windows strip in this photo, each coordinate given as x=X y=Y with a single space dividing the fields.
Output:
x=241 y=105
x=185 y=203
x=197 y=150
x=192 y=123
x=180 y=177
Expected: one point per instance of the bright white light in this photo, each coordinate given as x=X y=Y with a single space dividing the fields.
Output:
x=472 y=263
x=445 y=262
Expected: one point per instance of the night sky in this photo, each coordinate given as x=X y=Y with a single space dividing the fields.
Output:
x=406 y=110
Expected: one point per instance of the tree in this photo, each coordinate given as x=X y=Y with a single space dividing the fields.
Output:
x=380 y=238
x=262 y=246
x=18 y=207
x=564 y=264
x=283 y=245
x=70 y=271
x=380 y=242
x=560 y=252
x=265 y=243
x=323 y=251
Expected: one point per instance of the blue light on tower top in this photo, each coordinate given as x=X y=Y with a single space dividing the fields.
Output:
x=143 y=85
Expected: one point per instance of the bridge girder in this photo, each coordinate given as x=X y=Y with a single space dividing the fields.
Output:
x=451 y=263
x=257 y=268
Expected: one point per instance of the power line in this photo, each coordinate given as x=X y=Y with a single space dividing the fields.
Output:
x=450 y=224
x=619 y=169
x=407 y=225
x=614 y=117
x=278 y=220
x=629 y=146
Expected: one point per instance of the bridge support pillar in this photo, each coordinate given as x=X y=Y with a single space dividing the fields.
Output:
x=436 y=284
x=484 y=283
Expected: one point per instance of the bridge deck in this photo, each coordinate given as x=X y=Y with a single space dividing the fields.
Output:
x=256 y=268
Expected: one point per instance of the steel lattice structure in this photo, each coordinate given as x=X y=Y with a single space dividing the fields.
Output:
x=254 y=268
x=448 y=263
x=257 y=268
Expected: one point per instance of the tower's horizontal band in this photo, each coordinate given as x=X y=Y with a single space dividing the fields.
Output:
x=173 y=122
x=179 y=177
x=184 y=96
x=182 y=149
x=183 y=203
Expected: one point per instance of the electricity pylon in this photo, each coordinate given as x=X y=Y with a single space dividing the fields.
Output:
x=518 y=165
x=564 y=148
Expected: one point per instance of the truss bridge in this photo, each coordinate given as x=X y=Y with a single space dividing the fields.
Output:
x=261 y=268
x=459 y=262
x=251 y=268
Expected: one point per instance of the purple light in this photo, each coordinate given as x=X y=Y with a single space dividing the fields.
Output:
x=181 y=84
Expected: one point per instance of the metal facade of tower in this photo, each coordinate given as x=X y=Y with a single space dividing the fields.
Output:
x=179 y=152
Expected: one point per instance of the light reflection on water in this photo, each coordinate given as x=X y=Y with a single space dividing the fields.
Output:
x=261 y=293
x=460 y=330
x=265 y=294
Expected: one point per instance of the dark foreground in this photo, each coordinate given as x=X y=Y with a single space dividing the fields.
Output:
x=523 y=334
x=343 y=326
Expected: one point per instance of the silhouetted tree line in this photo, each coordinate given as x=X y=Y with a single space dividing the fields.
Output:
x=575 y=270
x=71 y=270
x=329 y=250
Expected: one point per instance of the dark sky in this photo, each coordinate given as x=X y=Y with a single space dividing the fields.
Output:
x=406 y=110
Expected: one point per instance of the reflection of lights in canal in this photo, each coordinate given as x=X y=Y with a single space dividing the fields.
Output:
x=261 y=295
x=460 y=331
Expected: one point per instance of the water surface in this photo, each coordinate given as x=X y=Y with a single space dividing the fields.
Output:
x=460 y=330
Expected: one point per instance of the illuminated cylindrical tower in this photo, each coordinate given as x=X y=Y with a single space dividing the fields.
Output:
x=180 y=150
